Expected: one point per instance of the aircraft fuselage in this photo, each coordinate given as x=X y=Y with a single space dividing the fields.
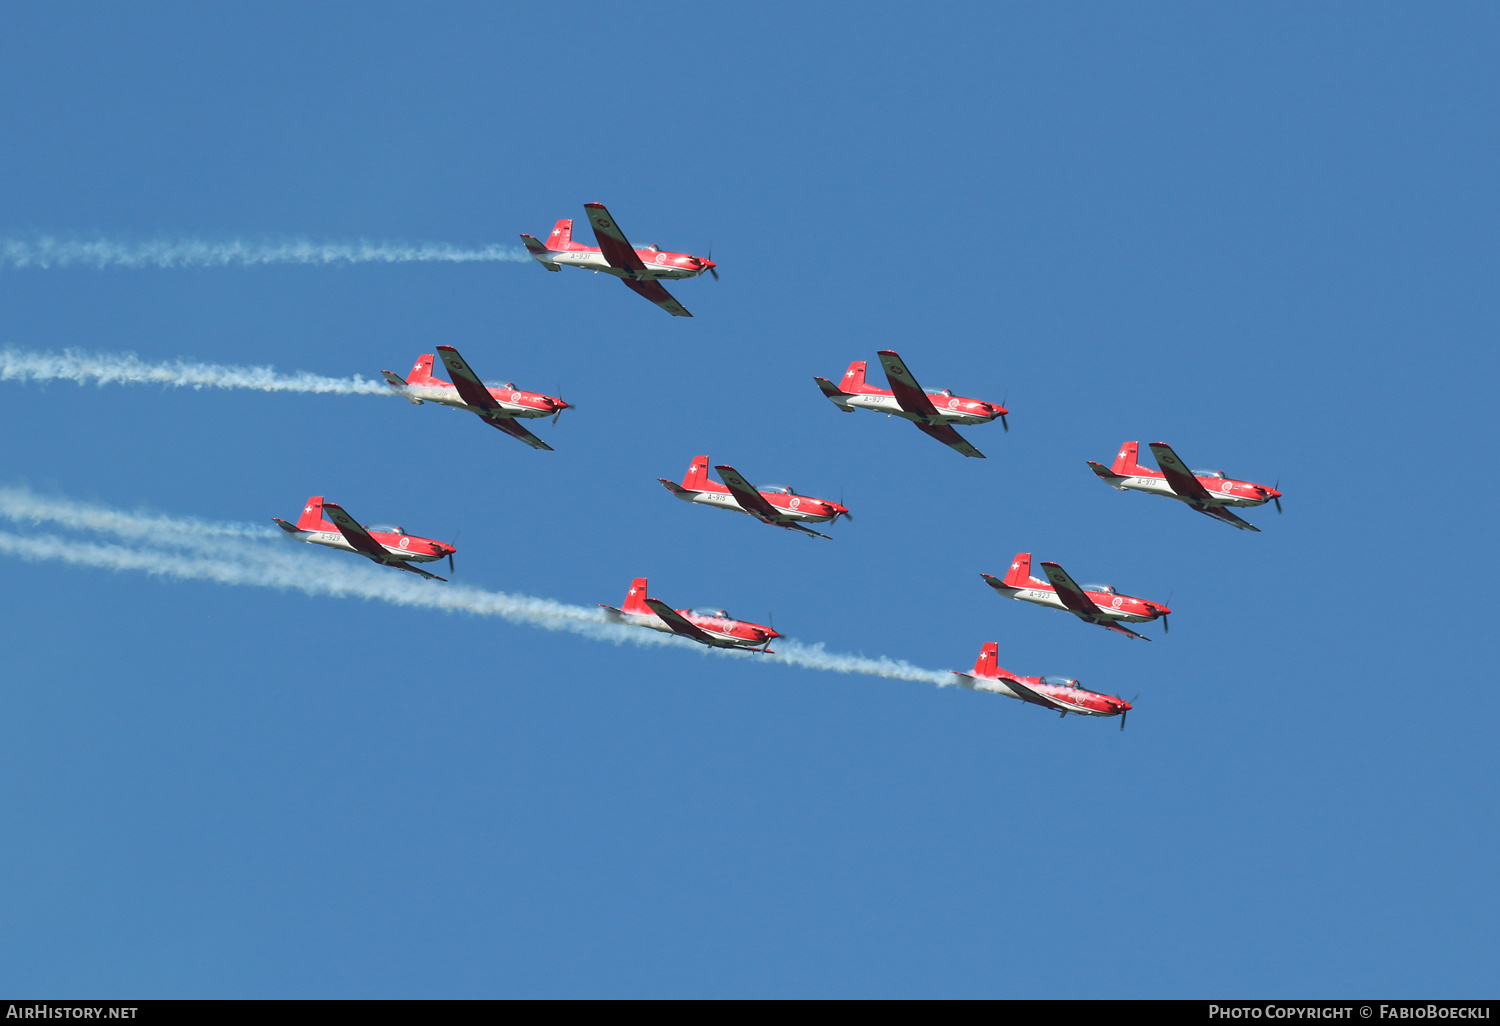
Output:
x=950 y=409
x=404 y=547
x=793 y=507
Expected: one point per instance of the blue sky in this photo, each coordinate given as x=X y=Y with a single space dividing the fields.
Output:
x=1265 y=236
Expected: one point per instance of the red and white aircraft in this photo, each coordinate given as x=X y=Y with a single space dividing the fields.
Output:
x=497 y=405
x=1207 y=491
x=1060 y=693
x=932 y=412
x=640 y=269
x=713 y=627
x=324 y=523
x=1094 y=603
x=778 y=505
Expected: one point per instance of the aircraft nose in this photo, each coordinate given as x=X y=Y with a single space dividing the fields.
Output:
x=1160 y=609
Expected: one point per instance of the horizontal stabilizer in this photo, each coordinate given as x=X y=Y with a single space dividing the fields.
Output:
x=288 y=528
x=1104 y=472
x=539 y=251
x=835 y=393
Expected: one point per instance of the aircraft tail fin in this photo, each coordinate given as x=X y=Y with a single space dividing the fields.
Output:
x=1020 y=571
x=854 y=378
x=1127 y=464
x=987 y=663
x=537 y=250
x=697 y=475
x=562 y=235
x=421 y=371
x=312 y=518
x=635 y=599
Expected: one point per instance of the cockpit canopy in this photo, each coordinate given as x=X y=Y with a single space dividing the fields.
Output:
x=384 y=528
x=946 y=393
x=1107 y=589
x=777 y=489
x=509 y=386
x=1062 y=682
x=654 y=248
x=720 y=614
x=1218 y=474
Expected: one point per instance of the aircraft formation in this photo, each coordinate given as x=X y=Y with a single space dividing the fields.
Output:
x=936 y=413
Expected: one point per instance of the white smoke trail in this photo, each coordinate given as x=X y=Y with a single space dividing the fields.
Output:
x=48 y=252
x=244 y=554
x=24 y=506
x=129 y=369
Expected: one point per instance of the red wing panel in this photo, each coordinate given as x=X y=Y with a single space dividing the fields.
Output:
x=465 y=380
x=904 y=387
x=1220 y=513
x=1112 y=625
x=654 y=291
x=944 y=433
x=612 y=242
x=415 y=570
x=1070 y=594
x=678 y=623
x=354 y=534
x=1028 y=695
x=1177 y=474
x=745 y=494
x=515 y=430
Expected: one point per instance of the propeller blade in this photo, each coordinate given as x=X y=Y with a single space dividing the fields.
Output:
x=715 y=272
x=1278 y=504
x=556 y=415
x=450 y=564
x=1166 y=628
x=1005 y=423
x=1123 y=714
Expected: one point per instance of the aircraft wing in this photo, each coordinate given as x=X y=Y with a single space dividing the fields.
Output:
x=1220 y=513
x=1177 y=474
x=613 y=244
x=515 y=430
x=401 y=565
x=904 y=387
x=354 y=534
x=654 y=291
x=1069 y=593
x=1028 y=695
x=749 y=499
x=470 y=388
x=679 y=623
x=944 y=433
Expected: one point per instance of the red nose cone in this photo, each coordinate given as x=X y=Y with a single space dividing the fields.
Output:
x=1123 y=705
x=1161 y=610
